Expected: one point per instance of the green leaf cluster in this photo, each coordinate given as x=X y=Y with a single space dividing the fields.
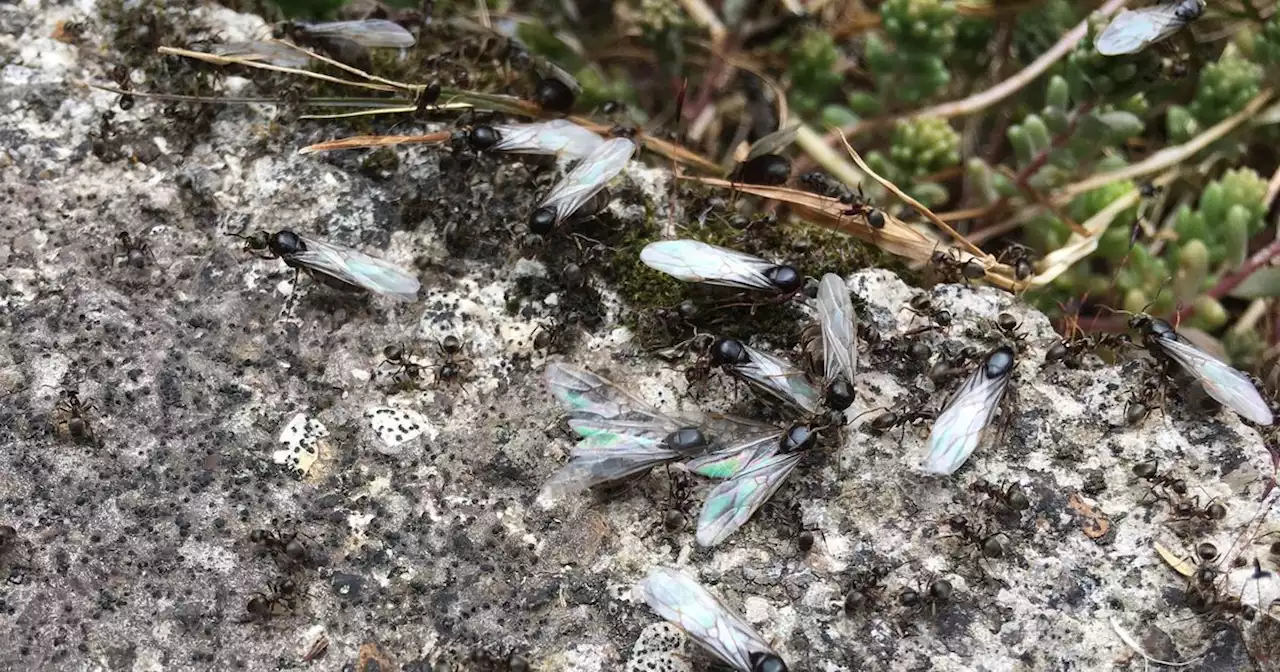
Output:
x=912 y=64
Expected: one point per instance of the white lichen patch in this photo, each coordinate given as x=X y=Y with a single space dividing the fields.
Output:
x=299 y=443
x=398 y=426
x=661 y=647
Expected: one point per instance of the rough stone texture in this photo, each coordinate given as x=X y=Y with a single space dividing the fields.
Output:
x=217 y=411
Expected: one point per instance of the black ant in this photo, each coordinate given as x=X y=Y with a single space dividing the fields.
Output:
x=1021 y=258
x=1186 y=511
x=73 y=417
x=281 y=597
x=947 y=368
x=988 y=544
x=950 y=269
x=1011 y=497
x=454 y=368
x=399 y=356
x=287 y=550
x=866 y=589
x=907 y=412
x=922 y=304
x=1148 y=471
x=134 y=249
x=678 y=491
x=938 y=592
x=1142 y=401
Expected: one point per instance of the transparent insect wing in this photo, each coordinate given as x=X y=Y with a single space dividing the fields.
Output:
x=592 y=173
x=264 y=52
x=730 y=459
x=556 y=137
x=1132 y=30
x=682 y=601
x=774 y=142
x=357 y=268
x=839 y=326
x=1225 y=384
x=959 y=428
x=592 y=398
x=733 y=502
x=372 y=33
x=604 y=457
x=695 y=261
x=778 y=379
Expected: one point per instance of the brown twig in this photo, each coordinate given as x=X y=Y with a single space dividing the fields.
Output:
x=1232 y=280
x=919 y=207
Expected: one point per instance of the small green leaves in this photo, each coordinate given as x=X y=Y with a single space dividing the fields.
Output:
x=922 y=34
x=924 y=145
x=812 y=70
x=1225 y=87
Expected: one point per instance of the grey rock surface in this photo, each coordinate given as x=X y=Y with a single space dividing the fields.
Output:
x=221 y=406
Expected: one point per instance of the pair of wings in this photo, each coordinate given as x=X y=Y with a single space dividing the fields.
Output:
x=696 y=261
x=681 y=600
x=779 y=379
x=356 y=268
x=558 y=137
x=959 y=427
x=1133 y=30
x=592 y=173
x=839 y=324
x=1226 y=385
x=371 y=33
x=621 y=435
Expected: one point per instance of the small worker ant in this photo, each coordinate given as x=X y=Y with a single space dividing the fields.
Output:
x=454 y=368
x=288 y=551
x=1021 y=258
x=134 y=249
x=397 y=355
x=73 y=420
x=950 y=268
x=1011 y=497
x=281 y=598
x=1148 y=471
x=922 y=305
x=1187 y=511
x=936 y=594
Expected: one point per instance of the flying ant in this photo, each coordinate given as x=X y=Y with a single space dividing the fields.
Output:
x=288 y=551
